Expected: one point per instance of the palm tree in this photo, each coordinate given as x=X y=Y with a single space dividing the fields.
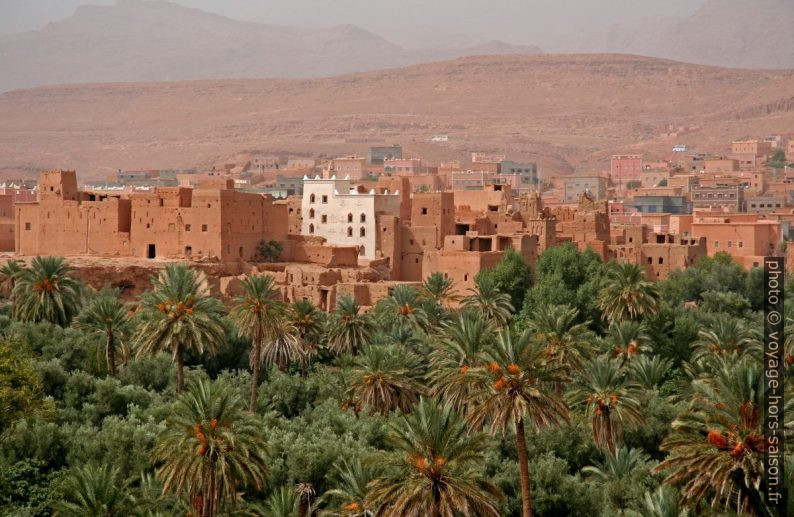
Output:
x=351 y=492
x=210 y=448
x=8 y=275
x=305 y=493
x=628 y=295
x=47 y=291
x=487 y=300
x=383 y=380
x=284 y=346
x=179 y=315
x=610 y=397
x=404 y=305
x=717 y=446
x=92 y=491
x=628 y=339
x=348 y=331
x=649 y=372
x=309 y=320
x=106 y=317
x=439 y=289
x=435 y=470
x=256 y=314
x=516 y=393
x=617 y=467
x=567 y=341
x=458 y=349
x=726 y=335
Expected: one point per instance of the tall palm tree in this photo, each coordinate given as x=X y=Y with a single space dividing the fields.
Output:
x=610 y=398
x=435 y=470
x=517 y=394
x=383 y=380
x=106 y=317
x=487 y=300
x=47 y=291
x=8 y=275
x=454 y=354
x=439 y=289
x=628 y=294
x=93 y=491
x=256 y=314
x=210 y=448
x=351 y=491
x=179 y=315
x=717 y=446
x=404 y=305
x=568 y=342
x=348 y=330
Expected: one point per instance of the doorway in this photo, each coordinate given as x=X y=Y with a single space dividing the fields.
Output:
x=151 y=251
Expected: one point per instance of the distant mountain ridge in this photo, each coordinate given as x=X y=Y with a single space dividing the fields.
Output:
x=137 y=40
x=734 y=33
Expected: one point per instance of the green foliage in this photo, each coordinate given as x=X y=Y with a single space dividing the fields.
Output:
x=512 y=276
x=21 y=391
x=71 y=434
x=270 y=251
x=564 y=275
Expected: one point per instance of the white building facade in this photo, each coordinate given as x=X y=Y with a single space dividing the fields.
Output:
x=345 y=215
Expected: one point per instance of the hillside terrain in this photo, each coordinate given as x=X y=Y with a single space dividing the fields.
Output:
x=568 y=112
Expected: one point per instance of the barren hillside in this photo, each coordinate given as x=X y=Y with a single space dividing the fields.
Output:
x=565 y=111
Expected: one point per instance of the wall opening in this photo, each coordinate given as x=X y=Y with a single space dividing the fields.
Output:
x=151 y=251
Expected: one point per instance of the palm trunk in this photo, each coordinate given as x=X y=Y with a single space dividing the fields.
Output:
x=523 y=467
x=609 y=438
x=180 y=365
x=110 y=354
x=255 y=365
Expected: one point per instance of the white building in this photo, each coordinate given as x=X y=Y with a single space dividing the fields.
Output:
x=344 y=214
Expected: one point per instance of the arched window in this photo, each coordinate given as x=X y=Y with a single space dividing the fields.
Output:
x=362 y=232
x=349 y=231
x=311 y=213
x=311 y=198
x=311 y=228
x=361 y=250
x=363 y=218
x=349 y=218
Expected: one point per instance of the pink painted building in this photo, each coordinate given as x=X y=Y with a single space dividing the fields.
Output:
x=624 y=168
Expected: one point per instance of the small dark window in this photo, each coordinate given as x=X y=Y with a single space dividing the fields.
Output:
x=27 y=226
x=203 y=227
x=324 y=218
x=187 y=227
x=349 y=231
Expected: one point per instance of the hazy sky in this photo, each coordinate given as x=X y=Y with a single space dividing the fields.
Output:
x=550 y=24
